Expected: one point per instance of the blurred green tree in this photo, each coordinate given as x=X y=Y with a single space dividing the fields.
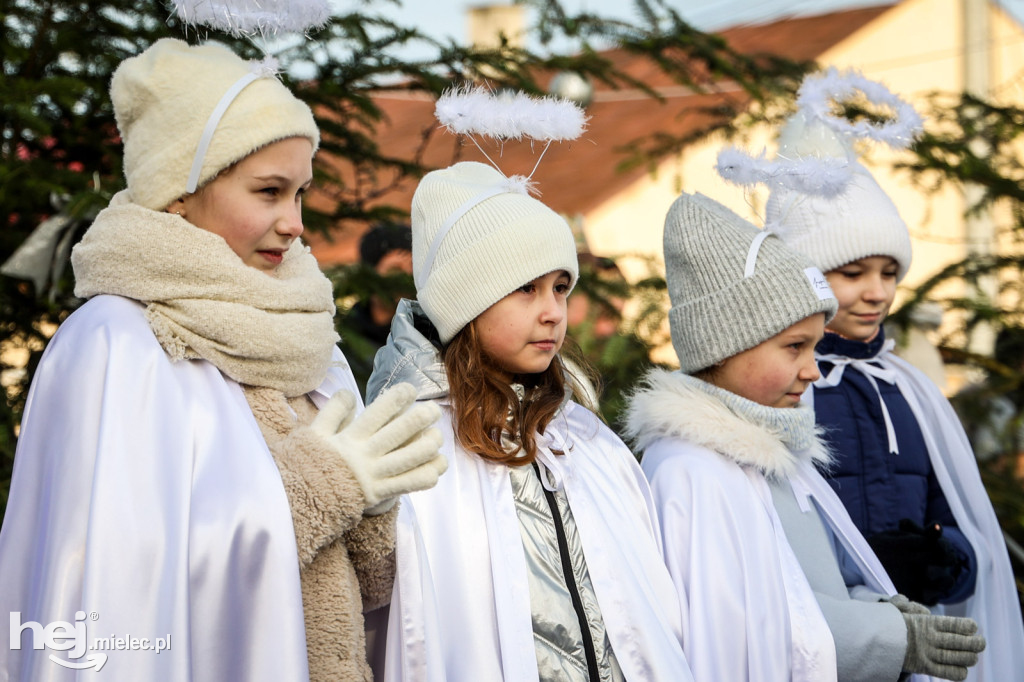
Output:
x=60 y=157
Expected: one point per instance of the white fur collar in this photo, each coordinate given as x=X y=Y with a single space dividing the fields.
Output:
x=671 y=404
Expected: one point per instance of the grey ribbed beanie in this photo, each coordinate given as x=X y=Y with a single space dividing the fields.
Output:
x=730 y=290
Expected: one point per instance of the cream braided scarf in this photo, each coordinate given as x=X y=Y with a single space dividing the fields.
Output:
x=275 y=331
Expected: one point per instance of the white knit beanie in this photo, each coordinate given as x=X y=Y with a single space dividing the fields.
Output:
x=165 y=97
x=475 y=240
x=861 y=221
x=732 y=286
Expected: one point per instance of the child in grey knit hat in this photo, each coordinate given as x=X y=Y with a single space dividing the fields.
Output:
x=776 y=581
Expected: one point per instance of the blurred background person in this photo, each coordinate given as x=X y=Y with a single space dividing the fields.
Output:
x=382 y=277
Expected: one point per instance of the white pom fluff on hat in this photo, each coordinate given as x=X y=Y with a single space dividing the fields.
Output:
x=163 y=99
x=495 y=247
x=819 y=90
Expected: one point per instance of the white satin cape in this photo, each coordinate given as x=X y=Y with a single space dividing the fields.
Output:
x=994 y=604
x=749 y=613
x=461 y=606
x=144 y=493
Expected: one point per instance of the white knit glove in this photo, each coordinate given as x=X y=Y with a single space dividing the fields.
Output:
x=391 y=448
x=941 y=646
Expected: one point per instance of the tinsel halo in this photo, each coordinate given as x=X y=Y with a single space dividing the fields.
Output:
x=505 y=115
x=819 y=91
x=251 y=18
x=476 y=110
x=825 y=177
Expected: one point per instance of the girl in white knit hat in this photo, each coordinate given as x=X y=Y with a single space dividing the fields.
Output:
x=536 y=555
x=775 y=580
x=903 y=466
x=195 y=473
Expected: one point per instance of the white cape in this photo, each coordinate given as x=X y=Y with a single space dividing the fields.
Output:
x=144 y=505
x=994 y=604
x=748 y=610
x=461 y=606
x=749 y=613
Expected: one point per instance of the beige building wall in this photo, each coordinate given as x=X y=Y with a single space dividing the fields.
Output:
x=915 y=49
x=1007 y=51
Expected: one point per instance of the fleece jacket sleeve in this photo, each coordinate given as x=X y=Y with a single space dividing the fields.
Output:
x=371 y=548
x=325 y=497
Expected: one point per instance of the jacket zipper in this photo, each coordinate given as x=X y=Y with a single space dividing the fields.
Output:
x=570 y=582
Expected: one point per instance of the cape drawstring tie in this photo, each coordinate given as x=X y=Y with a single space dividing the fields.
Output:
x=555 y=467
x=872 y=372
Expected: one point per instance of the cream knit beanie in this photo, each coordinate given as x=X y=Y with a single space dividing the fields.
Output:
x=475 y=240
x=165 y=97
x=732 y=286
x=861 y=221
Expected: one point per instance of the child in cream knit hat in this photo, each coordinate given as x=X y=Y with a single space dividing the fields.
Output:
x=765 y=557
x=903 y=466
x=535 y=556
x=195 y=469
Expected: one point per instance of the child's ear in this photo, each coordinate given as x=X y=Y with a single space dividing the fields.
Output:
x=177 y=208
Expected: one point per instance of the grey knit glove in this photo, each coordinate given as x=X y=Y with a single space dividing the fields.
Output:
x=904 y=604
x=942 y=646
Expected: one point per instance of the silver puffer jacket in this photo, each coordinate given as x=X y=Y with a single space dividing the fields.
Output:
x=563 y=604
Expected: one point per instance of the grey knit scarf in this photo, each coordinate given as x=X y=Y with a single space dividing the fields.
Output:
x=794 y=426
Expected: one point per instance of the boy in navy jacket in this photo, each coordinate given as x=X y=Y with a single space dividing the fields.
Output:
x=904 y=468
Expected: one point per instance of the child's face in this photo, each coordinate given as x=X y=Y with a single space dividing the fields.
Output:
x=256 y=205
x=775 y=372
x=865 y=289
x=524 y=331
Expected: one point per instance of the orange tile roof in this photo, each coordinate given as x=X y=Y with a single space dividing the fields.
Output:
x=577 y=177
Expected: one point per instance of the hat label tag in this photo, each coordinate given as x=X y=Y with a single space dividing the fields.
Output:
x=819 y=283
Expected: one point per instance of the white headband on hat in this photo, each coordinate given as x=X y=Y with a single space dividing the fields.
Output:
x=248 y=18
x=420 y=276
x=264 y=69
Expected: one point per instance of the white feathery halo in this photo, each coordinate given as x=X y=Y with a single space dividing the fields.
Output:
x=255 y=17
x=475 y=110
x=826 y=177
x=478 y=111
x=819 y=90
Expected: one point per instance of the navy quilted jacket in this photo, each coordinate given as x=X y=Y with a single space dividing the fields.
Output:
x=879 y=488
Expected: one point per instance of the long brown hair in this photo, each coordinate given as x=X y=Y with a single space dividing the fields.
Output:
x=483 y=400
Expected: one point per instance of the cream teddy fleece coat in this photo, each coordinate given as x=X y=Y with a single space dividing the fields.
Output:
x=347 y=561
